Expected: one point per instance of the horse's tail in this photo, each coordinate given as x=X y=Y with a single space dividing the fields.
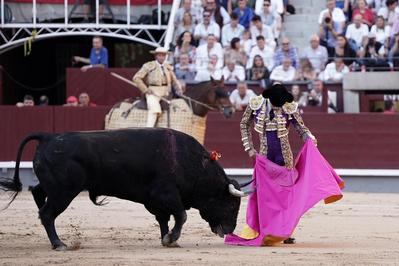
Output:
x=14 y=184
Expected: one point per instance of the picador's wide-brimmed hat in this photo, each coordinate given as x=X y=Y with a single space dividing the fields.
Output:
x=160 y=50
x=278 y=94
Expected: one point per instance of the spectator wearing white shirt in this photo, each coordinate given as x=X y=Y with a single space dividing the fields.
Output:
x=389 y=12
x=285 y=72
x=316 y=53
x=233 y=72
x=381 y=31
x=212 y=71
x=357 y=33
x=241 y=95
x=332 y=23
x=204 y=52
x=275 y=5
x=260 y=29
x=264 y=51
x=205 y=28
x=219 y=14
x=246 y=42
x=232 y=30
x=335 y=71
x=195 y=12
x=271 y=18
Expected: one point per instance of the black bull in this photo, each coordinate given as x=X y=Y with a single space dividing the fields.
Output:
x=166 y=170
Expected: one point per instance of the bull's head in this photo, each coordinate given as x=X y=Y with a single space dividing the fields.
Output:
x=221 y=211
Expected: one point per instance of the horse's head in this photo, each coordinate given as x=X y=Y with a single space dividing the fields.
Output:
x=220 y=97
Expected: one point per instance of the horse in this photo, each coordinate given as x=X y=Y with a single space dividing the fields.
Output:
x=186 y=113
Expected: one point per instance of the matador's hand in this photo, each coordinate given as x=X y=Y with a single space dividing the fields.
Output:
x=252 y=154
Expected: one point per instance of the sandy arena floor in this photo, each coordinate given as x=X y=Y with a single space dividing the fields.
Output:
x=361 y=229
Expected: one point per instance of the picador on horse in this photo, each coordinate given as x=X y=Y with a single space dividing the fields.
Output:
x=156 y=79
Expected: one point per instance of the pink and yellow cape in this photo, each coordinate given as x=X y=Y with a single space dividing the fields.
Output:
x=282 y=196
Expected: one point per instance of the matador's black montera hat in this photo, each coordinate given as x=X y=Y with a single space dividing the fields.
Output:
x=278 y=95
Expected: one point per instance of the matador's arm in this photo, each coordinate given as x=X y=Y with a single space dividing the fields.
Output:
x=245 y=128
x=303 y=131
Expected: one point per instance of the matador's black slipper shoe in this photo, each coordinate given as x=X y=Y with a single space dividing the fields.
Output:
x=290 y=240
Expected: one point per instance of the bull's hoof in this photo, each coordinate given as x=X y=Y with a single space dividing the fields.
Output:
x=167 y=241
x=59 y=246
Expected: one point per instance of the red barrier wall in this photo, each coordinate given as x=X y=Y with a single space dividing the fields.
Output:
x=111 y=2
x=347 y=141
x=16 y=123
x=103 y=88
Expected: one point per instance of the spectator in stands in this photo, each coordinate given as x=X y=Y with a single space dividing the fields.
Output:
x=260 y=29
x=335 y=71
x=186 y=24
x=389 y=108
x=87 y=4
x=305 y=70
x=357 y=33
x=264 y=51
x=98 y=55
x=184 y=70
x=316 y=53
x=332 y=23
x=315 y=97
x=394 y=29
x=259 y=72
x=233 y=72
x=299 y=97
x=185 y=45
x=28 y=101
x=271 y=18
x=43 y=100
x=236 y=53
x=381 y=31
x=345 y=6
x=389 y=12
x=244 y=13
x=367 y=16
x=84 y=100
x=202 y=30
x=286 y=50
x=393 y=57
x=284 y=72
x=218 y=13
x=275 y=6
x=72 y=101
x=241 y=95
x=212 y=70
x=231 y=30
x=204 y=51
x=343 y=49
x=187 y=7
x=374 y=55
x=246 y=42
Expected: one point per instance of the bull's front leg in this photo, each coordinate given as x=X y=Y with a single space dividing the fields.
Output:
x=170 y=239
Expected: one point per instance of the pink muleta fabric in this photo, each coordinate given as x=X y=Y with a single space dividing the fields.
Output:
x=282 y=196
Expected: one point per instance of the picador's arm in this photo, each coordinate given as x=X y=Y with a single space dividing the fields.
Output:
x=139 y=78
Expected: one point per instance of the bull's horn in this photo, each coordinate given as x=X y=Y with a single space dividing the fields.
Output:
x=247 y=183
x=238 y=193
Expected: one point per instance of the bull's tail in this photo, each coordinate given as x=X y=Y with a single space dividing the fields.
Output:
x=14 y=184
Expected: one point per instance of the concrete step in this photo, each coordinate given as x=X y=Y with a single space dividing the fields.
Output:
x=300 y=18
x=314 y=3
x=308 y=10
